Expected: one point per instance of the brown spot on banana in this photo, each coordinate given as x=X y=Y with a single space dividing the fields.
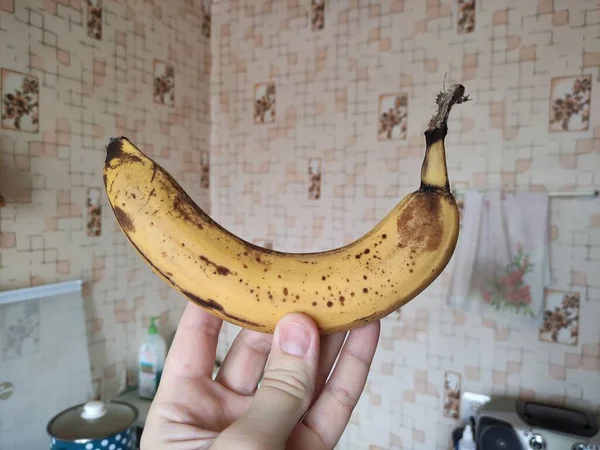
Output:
x=124 y=220
x=221 y=270
x=187 y=210
x=370 y=317
x=207 y=304
x=182 y=202
x=212 y=305
x=258 y=254
x=421 y=223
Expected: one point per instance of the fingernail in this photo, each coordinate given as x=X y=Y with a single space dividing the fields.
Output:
x=293 y=339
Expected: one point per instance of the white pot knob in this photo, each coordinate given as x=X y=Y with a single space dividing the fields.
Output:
x=93 y=410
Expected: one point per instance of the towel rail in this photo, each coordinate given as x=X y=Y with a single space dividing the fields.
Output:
x=45 y=290
x=557 y=194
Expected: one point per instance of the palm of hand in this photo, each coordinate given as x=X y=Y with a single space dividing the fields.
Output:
x=193 y=411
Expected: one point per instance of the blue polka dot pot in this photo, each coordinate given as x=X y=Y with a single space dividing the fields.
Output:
x=94 y=425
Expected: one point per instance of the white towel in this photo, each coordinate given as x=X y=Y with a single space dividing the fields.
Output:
x=463 y=260
x=501 y=264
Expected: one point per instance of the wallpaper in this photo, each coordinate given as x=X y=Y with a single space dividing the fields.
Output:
x=318 y=114
x=73 y=74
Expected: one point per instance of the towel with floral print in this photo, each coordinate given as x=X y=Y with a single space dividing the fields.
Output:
x=506 y=254
x=512 y=265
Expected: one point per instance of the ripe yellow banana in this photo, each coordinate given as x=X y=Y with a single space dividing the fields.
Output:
x=254 y=287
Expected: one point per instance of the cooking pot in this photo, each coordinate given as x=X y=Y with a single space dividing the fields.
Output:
x=94 y=425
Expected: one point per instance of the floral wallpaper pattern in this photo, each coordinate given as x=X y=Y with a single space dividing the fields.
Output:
x=94 y=18
x=561 y=317
x=466 y=16
x=452 y=394
x=317 y=14
x=164 y=83
x=314 y=177
x=571 y=98
x=393 y=116
x=205 y=6
x=94 y=212
x=20 y=101
x=205 y=170
x=265 y=102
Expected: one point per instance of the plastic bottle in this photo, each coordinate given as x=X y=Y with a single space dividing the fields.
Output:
x=151 y=359
x=467 y=442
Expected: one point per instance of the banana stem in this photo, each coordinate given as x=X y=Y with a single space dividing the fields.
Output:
x=434 y=173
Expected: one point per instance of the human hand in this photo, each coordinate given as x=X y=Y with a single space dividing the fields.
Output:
x=295 y=407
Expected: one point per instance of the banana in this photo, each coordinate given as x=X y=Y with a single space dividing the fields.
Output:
x=253 y=287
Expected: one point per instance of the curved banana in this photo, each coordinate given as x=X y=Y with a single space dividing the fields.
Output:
x=254 y=287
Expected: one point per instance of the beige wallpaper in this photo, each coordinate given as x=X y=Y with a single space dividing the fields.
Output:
x=300 y=158
x=75 y=73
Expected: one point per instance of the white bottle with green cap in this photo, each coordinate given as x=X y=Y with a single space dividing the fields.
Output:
x=151 y=359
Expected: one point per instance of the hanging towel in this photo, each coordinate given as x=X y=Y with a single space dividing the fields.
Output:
x=463 y=261
x=501 y=266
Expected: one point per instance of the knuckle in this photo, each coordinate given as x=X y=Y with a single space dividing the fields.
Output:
x=359 y=359
x=287 y=380
x=341 y=395
x=259 y=344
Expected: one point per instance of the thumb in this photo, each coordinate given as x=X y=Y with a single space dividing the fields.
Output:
x=287 y=386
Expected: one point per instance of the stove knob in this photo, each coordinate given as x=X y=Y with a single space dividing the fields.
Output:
x=579 y=447
x=537 y=442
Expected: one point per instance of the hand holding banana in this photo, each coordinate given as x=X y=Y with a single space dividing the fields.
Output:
x=254 y=287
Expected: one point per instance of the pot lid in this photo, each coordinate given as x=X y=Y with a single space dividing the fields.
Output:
x=92 y=420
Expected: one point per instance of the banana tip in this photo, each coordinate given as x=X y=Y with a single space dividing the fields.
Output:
x=114 y=148
x=117 y=138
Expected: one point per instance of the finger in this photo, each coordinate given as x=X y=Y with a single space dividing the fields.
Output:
x=331 y=412
x=245 y=362
x=194 y=347
x=287 y=386
x=330 y=348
